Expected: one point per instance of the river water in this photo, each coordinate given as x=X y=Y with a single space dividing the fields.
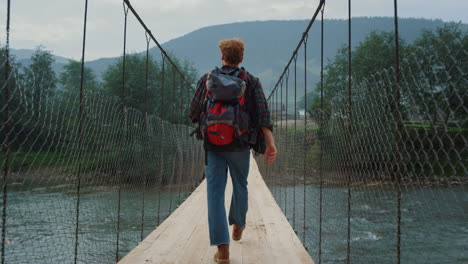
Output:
x=41 y=223
x=434 y=223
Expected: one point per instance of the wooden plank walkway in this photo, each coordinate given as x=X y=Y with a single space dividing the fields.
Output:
x=183 y=236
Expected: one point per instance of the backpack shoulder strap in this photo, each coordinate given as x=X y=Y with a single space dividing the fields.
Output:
x=243 y=74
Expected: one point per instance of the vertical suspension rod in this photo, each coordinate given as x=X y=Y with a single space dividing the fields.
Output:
x=294 y=139
x=321 y=140
x=81 y=133
x=305 y=138
x=124 y=128
x=148 y=40
x=287 y=136
x=350 y=122
x=399 y=126
x=6 y=144
x=161 y=113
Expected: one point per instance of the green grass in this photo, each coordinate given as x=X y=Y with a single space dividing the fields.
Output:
x=19 y=160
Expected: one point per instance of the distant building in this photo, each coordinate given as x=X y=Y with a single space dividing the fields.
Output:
x=302 y=113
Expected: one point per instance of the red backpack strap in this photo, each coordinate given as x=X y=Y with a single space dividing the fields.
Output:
x=243 y=74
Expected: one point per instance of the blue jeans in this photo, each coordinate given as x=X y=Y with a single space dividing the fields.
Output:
x=216 y=178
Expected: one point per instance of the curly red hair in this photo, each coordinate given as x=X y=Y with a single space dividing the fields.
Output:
x=232 y=50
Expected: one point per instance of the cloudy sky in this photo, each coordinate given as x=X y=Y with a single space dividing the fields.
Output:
x=57 y=24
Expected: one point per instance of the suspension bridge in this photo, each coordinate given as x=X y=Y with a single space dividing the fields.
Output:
x=374 y=170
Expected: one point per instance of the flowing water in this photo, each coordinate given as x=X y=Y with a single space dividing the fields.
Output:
x=434 y=223
x=41 y=223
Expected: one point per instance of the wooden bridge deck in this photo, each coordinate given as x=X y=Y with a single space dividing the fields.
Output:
x=183 y=236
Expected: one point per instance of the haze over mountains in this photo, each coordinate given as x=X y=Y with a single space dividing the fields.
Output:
x=269 y=44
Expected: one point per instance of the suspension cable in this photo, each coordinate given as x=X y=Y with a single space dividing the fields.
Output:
x=295 y=131
x=397 y=116
x=319 y=7
x=124 y=131
x=145 y=183
x=6 y=144
x=81 y=131
x=127 y=2
x=350 y=125
x=321 y=139
x=305 y=136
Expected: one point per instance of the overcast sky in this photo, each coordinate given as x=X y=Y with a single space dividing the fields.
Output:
x=57 y=24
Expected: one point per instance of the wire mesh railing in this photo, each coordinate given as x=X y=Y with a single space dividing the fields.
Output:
x=372 y=164
x=88 y=173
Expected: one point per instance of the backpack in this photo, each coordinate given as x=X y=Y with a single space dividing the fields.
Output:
x=224 y=120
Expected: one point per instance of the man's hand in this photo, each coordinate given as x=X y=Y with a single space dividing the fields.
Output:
x=270 y=153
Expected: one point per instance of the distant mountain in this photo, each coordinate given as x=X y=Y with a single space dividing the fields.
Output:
x=269 y=44
x=23 y=56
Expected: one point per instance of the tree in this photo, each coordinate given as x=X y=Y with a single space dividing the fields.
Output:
x=10 y=96
x=374 y=56
x=69 y=101
x=136 y=96
x=39 y=78
x=70 y=78
x=441 y=57
x=167 y=101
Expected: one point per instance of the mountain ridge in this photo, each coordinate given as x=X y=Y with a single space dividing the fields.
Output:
x=269 y=44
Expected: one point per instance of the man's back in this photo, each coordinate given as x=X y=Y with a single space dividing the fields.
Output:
x=219 y=111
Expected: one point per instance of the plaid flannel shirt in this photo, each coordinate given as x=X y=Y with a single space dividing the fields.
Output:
x=263 y=114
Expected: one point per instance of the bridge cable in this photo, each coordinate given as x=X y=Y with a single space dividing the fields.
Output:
x=305 y=137
x=298 y=46
x=145 y=183
x=124 y=131
x=6 y=144
x=183 y=153
x=277 y=176
x=280 y=132
x=321 y=140
x=287 y=145
x=173 y=104
x=295 y=137
x=399 y=123
x=81 y=130
x=127 y=2
x=161 y=153
x=349 y=141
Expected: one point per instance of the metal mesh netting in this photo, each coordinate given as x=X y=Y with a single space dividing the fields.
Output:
x=90 y=167
x=376 y=173
x=129 y=174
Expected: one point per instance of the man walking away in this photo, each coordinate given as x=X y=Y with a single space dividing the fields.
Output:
x=230 y=108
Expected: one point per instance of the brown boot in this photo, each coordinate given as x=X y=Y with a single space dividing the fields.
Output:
x=222 y=256
x=237 y=232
